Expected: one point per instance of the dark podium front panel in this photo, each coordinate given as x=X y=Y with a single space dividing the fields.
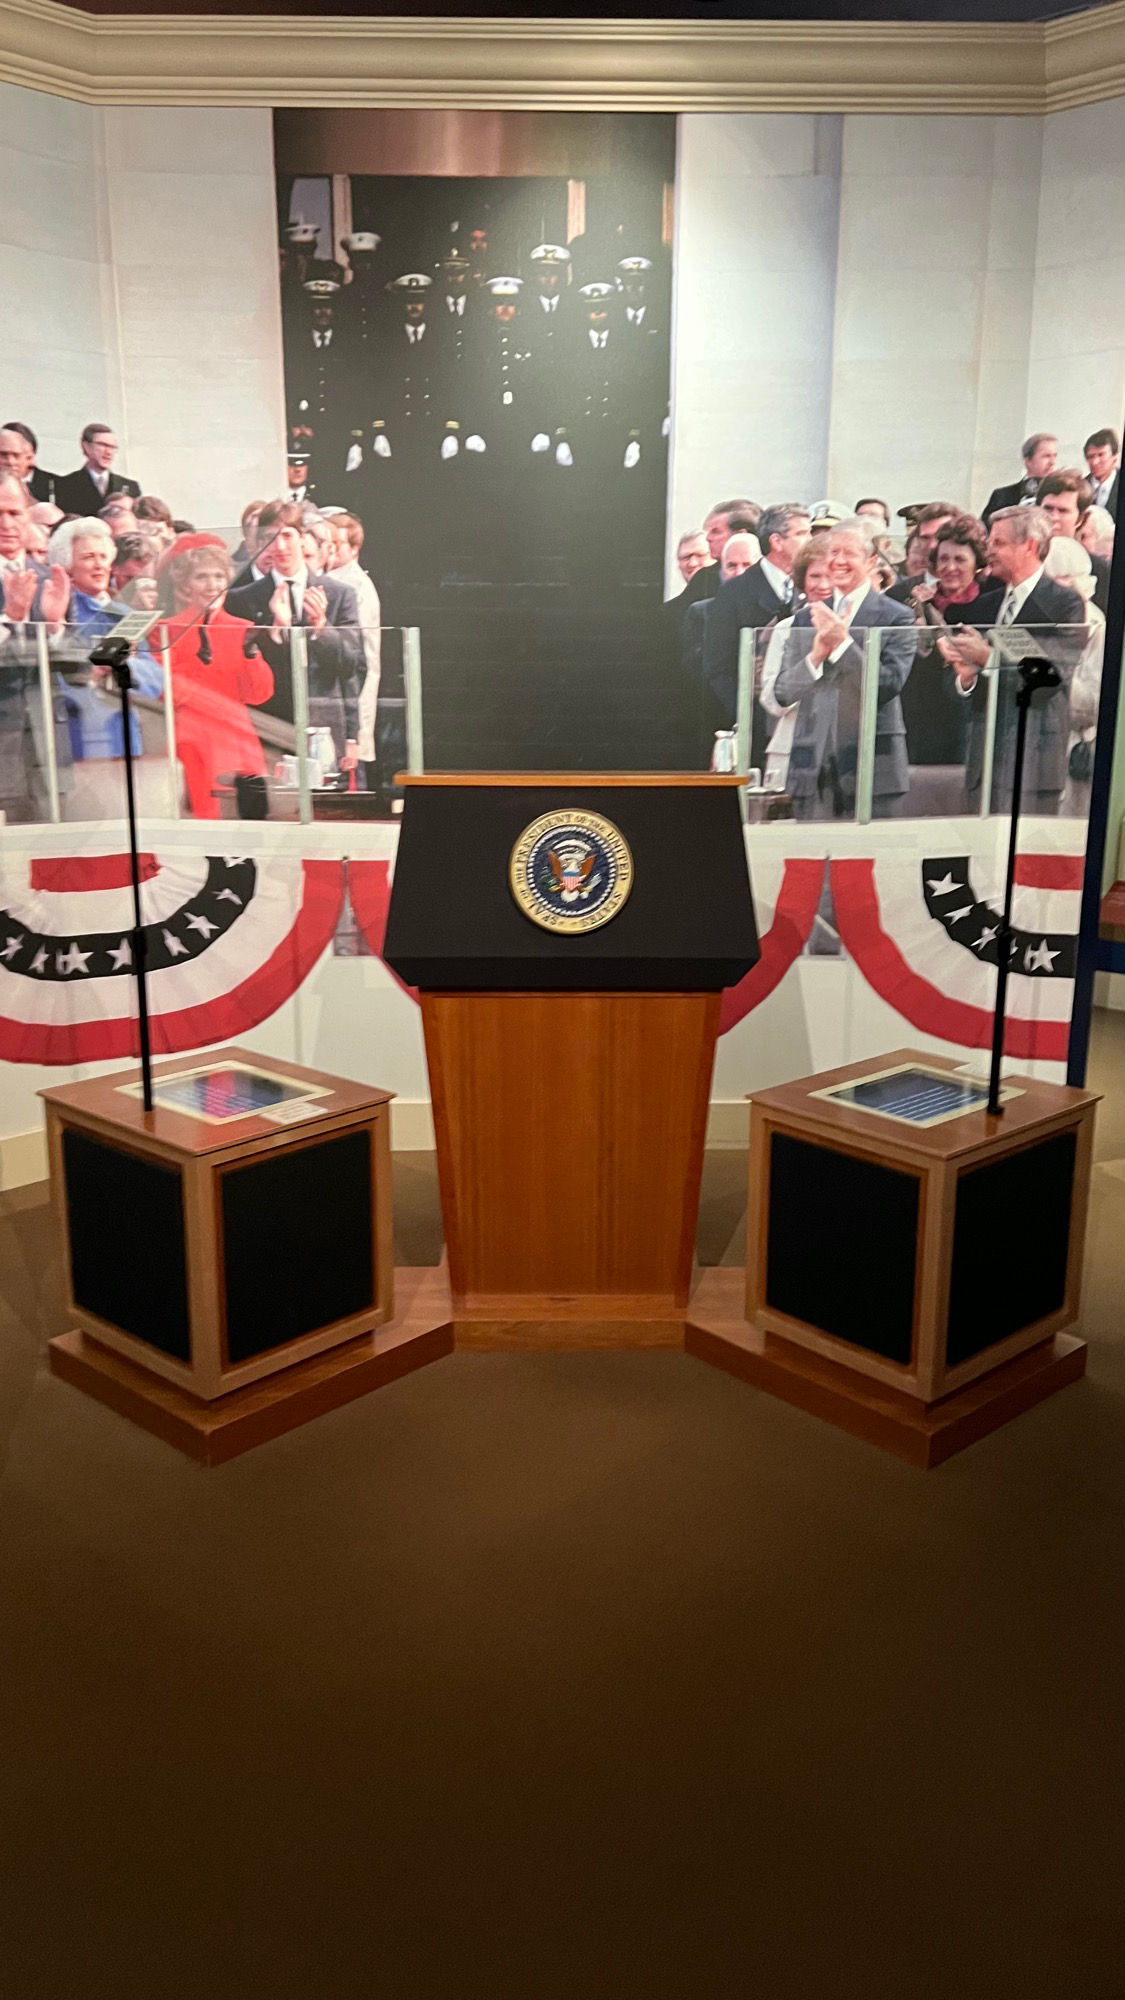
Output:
x=686 y=927
x=125 y=1222
x=842 y=1245
x=1011 y=1241
x=297 y=1247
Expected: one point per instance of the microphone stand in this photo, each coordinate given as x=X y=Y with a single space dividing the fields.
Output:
x=1035 y=674
x=114 y=654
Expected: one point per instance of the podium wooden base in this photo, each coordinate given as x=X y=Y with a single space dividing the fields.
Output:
x=613 y=1324
x=924 y=1434
x=220 y=1429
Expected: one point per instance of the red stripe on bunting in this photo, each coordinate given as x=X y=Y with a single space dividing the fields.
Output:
x=227 y=1015
x=1049 y=871
x=783 y=942
x=369 y=886
x=884 y=967
x=71 y=874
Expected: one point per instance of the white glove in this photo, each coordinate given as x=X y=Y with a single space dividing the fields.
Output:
x=666 y=425
x=354 y=458
x=449 y=447
x=563 y=455
x=540 y=442
x=475 y=443
x=632 y=455
x=381 y=445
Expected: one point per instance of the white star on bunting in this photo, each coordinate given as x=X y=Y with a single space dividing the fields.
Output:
x=73 y=960
x=121 y=956
x=203 y=925
x=11 y=948
x=988 y=933
x=1041 y=959
x=944 y=886
x=40 y=959
x=174 y=946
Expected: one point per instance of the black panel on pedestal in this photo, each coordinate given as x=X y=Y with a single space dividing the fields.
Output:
x=842 y=1245
x=125 y=1218
x=297 y=1243
x=1011 y=1240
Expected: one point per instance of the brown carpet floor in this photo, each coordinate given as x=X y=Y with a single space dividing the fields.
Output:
x=590 y=1677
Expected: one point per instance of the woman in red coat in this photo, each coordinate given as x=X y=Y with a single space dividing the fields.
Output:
x=213 y=676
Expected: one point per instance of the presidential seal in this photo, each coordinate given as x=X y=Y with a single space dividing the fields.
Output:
x=571 y=871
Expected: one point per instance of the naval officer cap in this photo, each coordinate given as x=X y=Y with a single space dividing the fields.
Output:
x=504 y=288
x=455 y=260
x=363 y=240
x=325 y=281
x=412 y=284
x=549 y=254
x=596 y=290
x=635 y=267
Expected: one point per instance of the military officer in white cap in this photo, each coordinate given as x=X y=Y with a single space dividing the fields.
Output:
x=548 y=328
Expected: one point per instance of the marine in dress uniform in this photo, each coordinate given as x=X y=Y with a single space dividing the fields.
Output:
x=463 y=479
x=643 y=378
x=548 y=331
x=318 y=377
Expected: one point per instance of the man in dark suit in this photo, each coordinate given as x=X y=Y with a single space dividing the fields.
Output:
x=822 y=671
x=1102 y=451
x=1027 y=599
x=86 y=491
x=289 y=595
x=1065 y=499
x=752 y=601
x=1040 y=456
x=18 y=446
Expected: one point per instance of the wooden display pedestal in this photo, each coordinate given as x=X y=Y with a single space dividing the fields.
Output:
x=421 y=1331
x=229 y=1276
x=910 y=1283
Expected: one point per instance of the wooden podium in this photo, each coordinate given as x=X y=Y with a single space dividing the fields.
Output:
x=570 y=1073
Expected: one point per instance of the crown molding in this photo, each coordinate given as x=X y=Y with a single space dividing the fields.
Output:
x=563 y=65
x=1084 y=58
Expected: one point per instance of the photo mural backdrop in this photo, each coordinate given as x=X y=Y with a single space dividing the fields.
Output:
x=533 y=572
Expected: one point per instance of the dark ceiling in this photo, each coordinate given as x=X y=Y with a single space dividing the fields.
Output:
x=779 y=10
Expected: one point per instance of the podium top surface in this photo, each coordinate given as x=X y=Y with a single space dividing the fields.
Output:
x=109 y=1102
x=1031 y=1105
x=709 y=780
x=482 y=902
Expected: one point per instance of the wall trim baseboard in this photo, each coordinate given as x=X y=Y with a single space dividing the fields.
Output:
x=23 y=1159
x=501 y=63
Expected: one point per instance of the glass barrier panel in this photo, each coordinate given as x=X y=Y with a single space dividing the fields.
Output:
x=89 y=730
x=290 y=724
x=34 y=758
x=948 y=747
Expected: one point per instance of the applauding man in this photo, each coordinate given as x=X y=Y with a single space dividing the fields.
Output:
x=288 y=595
x=822 y=671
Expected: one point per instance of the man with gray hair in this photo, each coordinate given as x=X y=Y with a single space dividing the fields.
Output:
x=1040 y=457
x=822 y=671
x=1026 y=598
x=752 y=601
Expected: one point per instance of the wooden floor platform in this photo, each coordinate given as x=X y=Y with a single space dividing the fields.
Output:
x=717 y=1331
x=421 y=1331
